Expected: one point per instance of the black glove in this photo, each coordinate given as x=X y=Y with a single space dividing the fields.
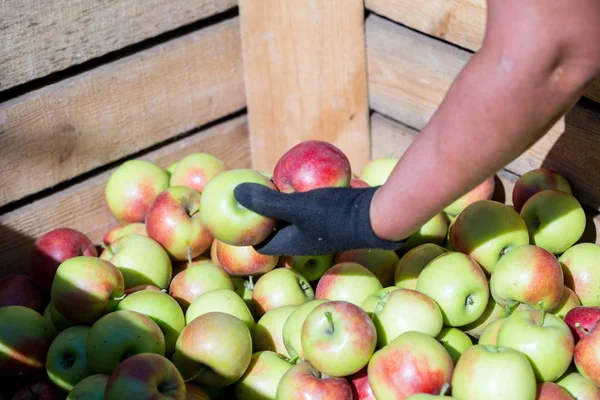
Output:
x=316 y=222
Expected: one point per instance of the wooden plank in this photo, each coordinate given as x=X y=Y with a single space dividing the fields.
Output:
x=409 y=75
x=305 y=74
x=82 y=206
x=71 y=127
x=41 y=37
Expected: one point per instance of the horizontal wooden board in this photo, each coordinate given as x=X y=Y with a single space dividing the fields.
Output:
x=63 y=130
x=461 y=22
x=82 y=206
x=41 y=37
x=409 y=75
x=390 y=138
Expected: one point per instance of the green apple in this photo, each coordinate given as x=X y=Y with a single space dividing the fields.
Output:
x=374 y=300
x=455 y=341
x=483 y=191
x=535 y=181
x=338 y=338
x=280 y=287
x=48 y=319
x=221 y=300
x=578 y=386
x=433 y=231
x=132 y=187
x=120 y=335
x=292 y=329
x=261 y=379
x=382 y=263
x=405 y=310
x=489 y=336
x=458 y=285
x=486 y=230
x=190 y=283
x=545 y=339
x=568 y=301
x=267 y=334
x=493 y=312
x=347 y=281
x=196 y=170
x=67 y=360
x=225 y=218
x=89 y=388
x=412 y=363
x=581 y=272
x=310 y=267
x=493 y=373
x=213 y=350
x=412 y=263
x=530 y=275
x=555 y=220
x=377 y=171
x=162 y=309
x=141 y=260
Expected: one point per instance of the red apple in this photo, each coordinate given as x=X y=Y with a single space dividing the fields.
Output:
x=551 y=391
x=302 y=381
x=581 y=320
x=41 y=390
x=361 y=389
x=189 y=284
x=347 y=281
x=243 y=260
x=195 y=170
x=535 y=181
x=587 y=355
x=179 y=266
x=139 y=288
x=120 y=231
x=54 y=247
x=358 y=183
x=280 y=287
x=20 y=290
x=310 y=165
x=382 y=263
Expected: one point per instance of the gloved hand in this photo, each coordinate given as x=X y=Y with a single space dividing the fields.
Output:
x=316 y=222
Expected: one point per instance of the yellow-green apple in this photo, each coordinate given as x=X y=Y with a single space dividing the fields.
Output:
x=483 y=191
x=220 y=300
x=280 y=287
x=378 y=170
x=347 y=281
x=544 y=338
x=243 y=260
x=493 y=373
x=39 y=390
x=139 y=288
x=67 y=360
x=187 y=285
x=587 y=355
x=530 y=275
x=535 y=181
x=582 y=273
x=489 y=336
x=267 y=334
x=433 y=231
x=412 y=363
x=555 y=220
x=338 y=338
x=373 y=301
x=382 y=263
x=20 y=290
x=120 y=335
x=196 y=170
x=141 y=260
x=455 y=341
x=54 y=247
x=406 y=310
x=486 y=230
x=24 y=341
x=493 y=312
x=303 y=381
x=292 y=329
x=359 y=381
x=162 y=309
x=214 y=350
x=85 y=288
x=581 y=320
x=148 y=377
x=310 y=267
x=225 y=218
x=412 y=263
x=262 y=377
x=578 y=386
x=173 y=221
x=138 y=228
x=90 y=388
x=568 y=301
x=195 y=392
x=312 y=164
x=551 y=391
x=132 y=187
x=458 y=285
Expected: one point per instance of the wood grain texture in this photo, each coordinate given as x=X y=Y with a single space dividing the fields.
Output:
x=41 y=37
x=305 y=75
x=409 y=75
x=82 y=206
x=71 y=127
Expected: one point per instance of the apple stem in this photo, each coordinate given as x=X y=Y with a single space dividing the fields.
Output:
x=541 y=304
x=249 y=284
x=194 y=211
x=201 y=370
x=379 y=308
x=107 y=248
x=189 y=256
x=120 y=298
x=444 y=389
x=581 y=328
x=330 y=319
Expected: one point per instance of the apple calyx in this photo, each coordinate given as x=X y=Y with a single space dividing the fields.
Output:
x=469 y=301
x=444 y=389
x=67 y=361
x=330 y=320
x=581 y=328
x=167 y=387
x=107 y=248
x=303 y=285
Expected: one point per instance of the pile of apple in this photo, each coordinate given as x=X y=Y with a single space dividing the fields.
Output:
x=485 y=301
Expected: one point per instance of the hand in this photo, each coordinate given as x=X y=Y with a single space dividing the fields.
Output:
x=317 y=222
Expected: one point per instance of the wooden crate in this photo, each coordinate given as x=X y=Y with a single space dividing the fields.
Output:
x=86 y=85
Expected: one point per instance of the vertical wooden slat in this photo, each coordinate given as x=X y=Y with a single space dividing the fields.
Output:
x=305 y=76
